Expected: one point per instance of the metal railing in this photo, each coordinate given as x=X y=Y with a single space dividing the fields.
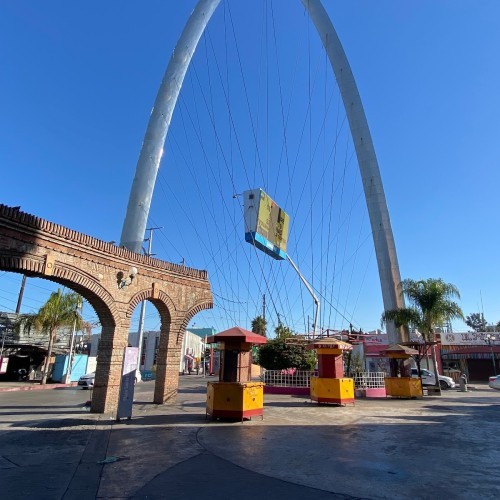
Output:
x=302 y=378
x=287 y=378
x=369 y=380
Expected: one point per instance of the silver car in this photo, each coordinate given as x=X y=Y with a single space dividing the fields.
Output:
x=495 y=382
x=87 y=381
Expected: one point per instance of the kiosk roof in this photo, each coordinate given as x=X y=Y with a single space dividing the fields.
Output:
x=237 y=333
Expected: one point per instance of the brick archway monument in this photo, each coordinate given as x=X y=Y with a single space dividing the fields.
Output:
x=95 y=269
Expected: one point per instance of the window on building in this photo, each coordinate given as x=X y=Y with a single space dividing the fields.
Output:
x=157 y=342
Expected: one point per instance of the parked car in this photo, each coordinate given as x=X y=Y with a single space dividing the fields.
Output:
x=495 y=382
x=429 y=379
x=87 y=381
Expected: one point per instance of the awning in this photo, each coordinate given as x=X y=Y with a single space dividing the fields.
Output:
x=329 y=343
x=237 y=334
x=374 y=349
x=395 y=350
x=470 y=352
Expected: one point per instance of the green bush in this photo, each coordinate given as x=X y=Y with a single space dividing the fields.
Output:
x=277 y=355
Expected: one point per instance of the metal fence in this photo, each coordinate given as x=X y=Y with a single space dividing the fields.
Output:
x=287 y=378
x=369 y=380
x=302 y=378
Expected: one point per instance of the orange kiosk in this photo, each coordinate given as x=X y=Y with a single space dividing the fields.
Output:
x=400 y=384
x=330 y=386
x=235 y=395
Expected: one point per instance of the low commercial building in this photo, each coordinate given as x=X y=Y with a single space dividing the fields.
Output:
x=475 y=353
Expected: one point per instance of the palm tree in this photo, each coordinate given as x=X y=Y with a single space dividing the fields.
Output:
x=60 y=310
x=283 y=332
x=259 y=325
x=431 y=304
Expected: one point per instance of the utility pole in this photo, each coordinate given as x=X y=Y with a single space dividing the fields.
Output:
x=264 y=306
x=21 y=293
x=143 y=305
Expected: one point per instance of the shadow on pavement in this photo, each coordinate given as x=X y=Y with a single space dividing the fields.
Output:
x=60 y=423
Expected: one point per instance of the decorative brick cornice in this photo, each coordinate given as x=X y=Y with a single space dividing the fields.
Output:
x=15 y=217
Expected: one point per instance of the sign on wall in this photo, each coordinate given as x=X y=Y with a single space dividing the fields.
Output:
x=470 y=338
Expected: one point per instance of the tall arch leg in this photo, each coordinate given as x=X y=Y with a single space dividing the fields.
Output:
x=383 y=239
x=148 y=163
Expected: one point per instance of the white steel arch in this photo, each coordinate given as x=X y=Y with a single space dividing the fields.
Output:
x=134 y=226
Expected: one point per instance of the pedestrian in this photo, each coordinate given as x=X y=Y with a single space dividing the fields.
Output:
x=463 y=382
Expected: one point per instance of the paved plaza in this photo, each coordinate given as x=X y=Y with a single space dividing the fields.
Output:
x=51 y=447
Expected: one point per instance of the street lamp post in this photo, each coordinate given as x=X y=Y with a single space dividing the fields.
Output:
x=140 y=333
x=67 y=378
x=3 y=366
x=491 y=338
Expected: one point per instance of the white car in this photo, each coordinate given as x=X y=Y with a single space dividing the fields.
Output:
x=495 y=382
x=87 y=381
x=429 y=379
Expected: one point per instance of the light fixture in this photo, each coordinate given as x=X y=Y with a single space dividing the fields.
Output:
x=122 y=281
x=491 y=339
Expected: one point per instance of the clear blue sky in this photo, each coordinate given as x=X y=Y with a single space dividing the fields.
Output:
x=78 y=81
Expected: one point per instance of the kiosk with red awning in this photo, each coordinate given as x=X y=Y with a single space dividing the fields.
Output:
x=235 y=395
x=330 y=386
x=401 y=384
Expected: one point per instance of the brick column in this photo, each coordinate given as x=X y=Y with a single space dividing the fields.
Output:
x=109 y=369
x=167 y=363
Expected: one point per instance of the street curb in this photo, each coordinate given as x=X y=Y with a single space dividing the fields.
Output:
x=38 y=387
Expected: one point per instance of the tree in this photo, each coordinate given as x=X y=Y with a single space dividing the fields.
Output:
x=278 y=355
x=476 y=321
x=283 y=332
x=259 y=325
x=60 y=310
x=431 y=304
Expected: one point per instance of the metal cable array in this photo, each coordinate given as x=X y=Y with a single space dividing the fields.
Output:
x=252 y=114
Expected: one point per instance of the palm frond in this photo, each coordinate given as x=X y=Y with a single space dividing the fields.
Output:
x=431 y=303
x=402 y=317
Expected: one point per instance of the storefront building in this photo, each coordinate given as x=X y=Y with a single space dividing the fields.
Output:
x=475 y=353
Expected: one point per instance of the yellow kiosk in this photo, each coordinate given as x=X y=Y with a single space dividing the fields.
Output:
x=235 y=395
x=330 y=386
x=400 y=384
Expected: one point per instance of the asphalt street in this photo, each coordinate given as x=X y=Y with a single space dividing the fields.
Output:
x=51 y=447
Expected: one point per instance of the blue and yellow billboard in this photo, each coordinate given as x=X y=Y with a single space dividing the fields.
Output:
x=266 y=224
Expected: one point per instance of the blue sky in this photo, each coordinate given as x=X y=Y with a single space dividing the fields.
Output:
x=78 y=81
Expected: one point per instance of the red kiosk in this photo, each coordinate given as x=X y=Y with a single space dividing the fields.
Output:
x=235 y=395
x=330 y=386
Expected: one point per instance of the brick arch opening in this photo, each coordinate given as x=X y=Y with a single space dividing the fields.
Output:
x=169 y=353
x=162 y=301
x=172 y=329
x=190 y=315
x=101 y=301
